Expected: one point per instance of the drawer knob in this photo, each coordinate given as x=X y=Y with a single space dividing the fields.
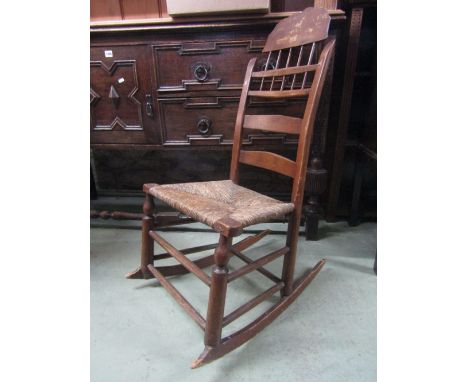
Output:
x=204 y=126
x=201 y=71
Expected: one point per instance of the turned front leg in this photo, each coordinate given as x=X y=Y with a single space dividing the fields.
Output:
x=218 y=288
x=147 y=243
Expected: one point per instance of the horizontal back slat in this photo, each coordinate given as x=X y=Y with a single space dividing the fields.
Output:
x=269 y=161
x=285 y=71
x=279 y=93
x=274 y=123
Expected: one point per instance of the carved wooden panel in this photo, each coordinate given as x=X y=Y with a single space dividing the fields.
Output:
x=210 y=120
x=208 y=65
x=119 y=82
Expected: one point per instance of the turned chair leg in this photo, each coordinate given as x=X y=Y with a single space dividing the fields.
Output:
x=218 y=288
x=289 y=261
x=147 y=243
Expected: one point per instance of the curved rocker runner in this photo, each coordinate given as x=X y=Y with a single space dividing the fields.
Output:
x=299 y=52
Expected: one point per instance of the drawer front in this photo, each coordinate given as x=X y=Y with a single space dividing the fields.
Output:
x=211 y=120
x=201 y=66
x=120 y=83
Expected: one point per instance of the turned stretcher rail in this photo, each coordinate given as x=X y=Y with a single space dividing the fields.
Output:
x=173 y=270
x=252 y=303
x=239 y=246
x=263 y=271
x=177 y=269
x=178 y=297
x=249 y=241
x=186 y=251
x=257 y=263
x=180 y=257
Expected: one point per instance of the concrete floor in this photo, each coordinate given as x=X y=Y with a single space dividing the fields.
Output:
x=139 y=333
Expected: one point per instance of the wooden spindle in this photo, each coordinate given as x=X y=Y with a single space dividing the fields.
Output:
x=287 y=65
x=308 y=63
x=266 y=68
x=298 y=64
x=276 y=67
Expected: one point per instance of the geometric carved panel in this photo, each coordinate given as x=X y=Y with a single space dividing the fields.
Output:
x=113 y=102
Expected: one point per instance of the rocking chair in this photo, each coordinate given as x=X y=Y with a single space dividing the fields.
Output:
x=299 y=52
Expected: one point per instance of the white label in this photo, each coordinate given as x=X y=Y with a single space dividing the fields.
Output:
x=108 y=53
x=121 y=80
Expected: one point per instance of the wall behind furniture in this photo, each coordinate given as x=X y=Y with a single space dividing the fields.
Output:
x=108 y=10
x=102 y=10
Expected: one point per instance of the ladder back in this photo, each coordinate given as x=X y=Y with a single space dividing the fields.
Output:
x=298 y=55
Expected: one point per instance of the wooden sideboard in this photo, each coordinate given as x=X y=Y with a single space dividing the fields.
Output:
x=164 y=97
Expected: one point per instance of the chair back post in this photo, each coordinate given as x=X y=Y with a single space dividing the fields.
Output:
x=308 y=124
x=237 y=140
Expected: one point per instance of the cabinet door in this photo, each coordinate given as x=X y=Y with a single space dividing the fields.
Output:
x=122 y=109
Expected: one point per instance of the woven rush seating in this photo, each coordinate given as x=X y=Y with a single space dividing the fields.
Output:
x=211 y=202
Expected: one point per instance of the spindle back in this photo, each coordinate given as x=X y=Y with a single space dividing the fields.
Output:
x=298 y=58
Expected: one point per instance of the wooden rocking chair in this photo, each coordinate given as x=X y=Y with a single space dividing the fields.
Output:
x=299 y=52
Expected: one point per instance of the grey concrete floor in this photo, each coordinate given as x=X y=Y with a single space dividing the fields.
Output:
x=139 y=333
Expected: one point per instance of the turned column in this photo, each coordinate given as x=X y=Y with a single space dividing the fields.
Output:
x=316 y=177
x=316 y=183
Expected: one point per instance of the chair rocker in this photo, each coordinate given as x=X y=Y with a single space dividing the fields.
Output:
x=299 y=52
